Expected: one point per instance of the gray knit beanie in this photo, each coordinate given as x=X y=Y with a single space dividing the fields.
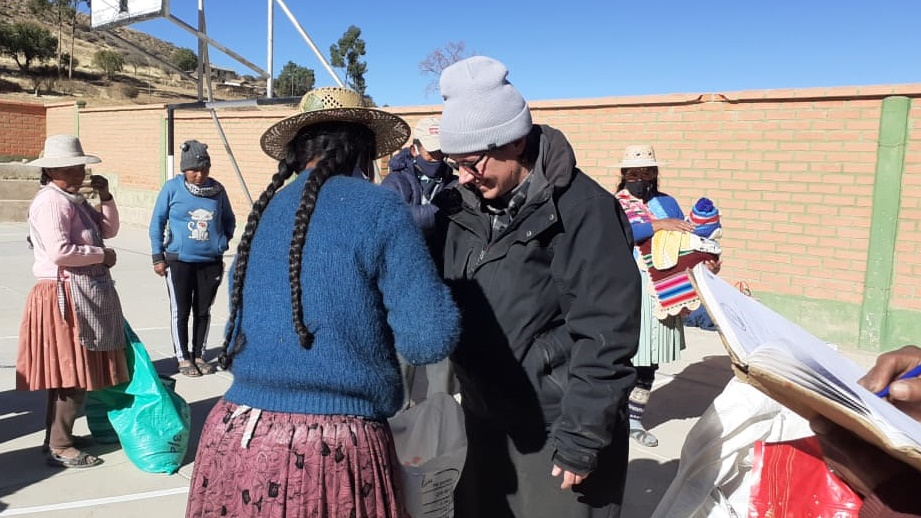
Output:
x=195 y=156
x=482 y=110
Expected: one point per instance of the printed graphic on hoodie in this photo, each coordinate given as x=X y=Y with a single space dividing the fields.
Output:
x=198 y=227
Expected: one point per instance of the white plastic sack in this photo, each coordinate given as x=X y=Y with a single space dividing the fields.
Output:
x=714 y=473
x=431 y=445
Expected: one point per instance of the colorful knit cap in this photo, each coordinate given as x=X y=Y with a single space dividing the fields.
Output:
x=706 y=217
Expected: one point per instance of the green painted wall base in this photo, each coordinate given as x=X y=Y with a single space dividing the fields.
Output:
x=903 y=327
x=839 y=322
x=834 y=322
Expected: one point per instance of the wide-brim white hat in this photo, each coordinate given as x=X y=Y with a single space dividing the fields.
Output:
x=336 y=104
x=63 y=151
x=641 y=155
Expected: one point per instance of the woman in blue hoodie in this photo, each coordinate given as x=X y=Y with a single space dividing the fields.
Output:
x=190 y=228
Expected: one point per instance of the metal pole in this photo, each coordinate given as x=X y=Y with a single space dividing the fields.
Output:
x=217 y=45
x=304 y=35
x=204 y=54
x=270 y=46
x=233 y=161
x=170 y=160
x=125 y=43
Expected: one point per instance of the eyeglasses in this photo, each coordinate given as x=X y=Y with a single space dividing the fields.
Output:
x=470 y=167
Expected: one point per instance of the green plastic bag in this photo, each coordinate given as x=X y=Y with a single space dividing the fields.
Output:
x=148 y=418
x=97 y=415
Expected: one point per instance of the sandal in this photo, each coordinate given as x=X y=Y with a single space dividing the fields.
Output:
x=203 y=366
x=81 y=460
x=189 y=369
x=643 y=437
x=78 y=442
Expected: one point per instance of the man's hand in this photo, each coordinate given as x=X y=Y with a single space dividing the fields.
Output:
x=569 y=478
x=160 y=269
x=904 y=394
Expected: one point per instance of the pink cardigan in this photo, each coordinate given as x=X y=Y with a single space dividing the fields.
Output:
x=65 y=240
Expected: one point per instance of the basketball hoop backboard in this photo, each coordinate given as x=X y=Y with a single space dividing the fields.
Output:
x=114 y=13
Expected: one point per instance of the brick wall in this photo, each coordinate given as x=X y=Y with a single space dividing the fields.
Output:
x=792 y=172
x=22 y=129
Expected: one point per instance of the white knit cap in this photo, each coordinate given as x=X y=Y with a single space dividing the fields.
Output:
x=482 y=110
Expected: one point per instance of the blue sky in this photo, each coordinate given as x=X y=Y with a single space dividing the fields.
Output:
x=584 y=48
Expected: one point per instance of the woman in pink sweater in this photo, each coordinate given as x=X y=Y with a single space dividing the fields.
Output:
x=66 y=234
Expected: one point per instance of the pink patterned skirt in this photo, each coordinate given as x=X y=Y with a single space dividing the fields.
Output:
x=273 y=464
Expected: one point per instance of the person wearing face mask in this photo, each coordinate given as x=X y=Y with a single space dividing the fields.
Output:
x=190 y=229
x=419 y=172
x=651 y=211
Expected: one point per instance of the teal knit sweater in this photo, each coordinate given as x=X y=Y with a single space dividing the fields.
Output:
x=370 y=290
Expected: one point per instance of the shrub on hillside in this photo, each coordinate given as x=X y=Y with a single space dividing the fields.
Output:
x=128 y=91
x=109 y=61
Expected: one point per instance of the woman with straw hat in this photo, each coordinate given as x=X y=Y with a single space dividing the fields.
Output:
x=649 y=211
x=54 y=351
x=331 y=280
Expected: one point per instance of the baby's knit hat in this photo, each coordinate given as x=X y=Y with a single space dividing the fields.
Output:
x=707 y=218
x=195 y=156
x=482 y=110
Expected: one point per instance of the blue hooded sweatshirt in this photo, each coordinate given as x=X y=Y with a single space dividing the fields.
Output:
x=191 y=228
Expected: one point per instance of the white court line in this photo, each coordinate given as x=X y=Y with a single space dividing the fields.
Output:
x=94 y=502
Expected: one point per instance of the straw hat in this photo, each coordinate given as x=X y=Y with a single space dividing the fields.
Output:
x=336 y=104
x=642 y=155
x=63 y=151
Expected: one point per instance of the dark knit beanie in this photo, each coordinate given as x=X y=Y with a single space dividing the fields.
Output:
x=482 y=110
x=195 y=156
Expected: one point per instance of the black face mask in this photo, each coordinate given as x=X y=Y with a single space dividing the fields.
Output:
x=435 y=170
x=639 y=189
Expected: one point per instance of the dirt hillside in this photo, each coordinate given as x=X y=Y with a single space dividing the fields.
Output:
x=142 y=81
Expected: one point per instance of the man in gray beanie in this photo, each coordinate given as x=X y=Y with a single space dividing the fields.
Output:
x=540 y=260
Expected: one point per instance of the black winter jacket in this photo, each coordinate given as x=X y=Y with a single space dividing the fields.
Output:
x=550 y=307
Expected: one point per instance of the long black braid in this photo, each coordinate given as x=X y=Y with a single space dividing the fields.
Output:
x=286 y=168
x=336 y=148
